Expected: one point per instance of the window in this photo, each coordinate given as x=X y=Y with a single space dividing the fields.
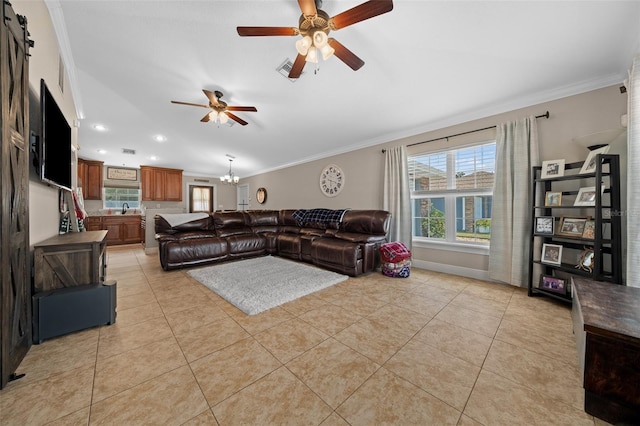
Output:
x=114 y=198
x=452 y=194
x=200 y=198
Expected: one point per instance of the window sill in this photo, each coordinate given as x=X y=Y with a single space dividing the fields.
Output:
x=454 y=247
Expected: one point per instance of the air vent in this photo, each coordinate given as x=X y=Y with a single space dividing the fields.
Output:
x=285 y=69
x=128 y=151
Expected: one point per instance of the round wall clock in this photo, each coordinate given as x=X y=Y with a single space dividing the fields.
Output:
x=331 y=180
x=261 y=195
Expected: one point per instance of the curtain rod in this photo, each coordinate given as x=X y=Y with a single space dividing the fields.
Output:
x=545 y=115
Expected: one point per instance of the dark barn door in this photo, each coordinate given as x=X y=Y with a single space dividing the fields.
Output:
x=15 y=292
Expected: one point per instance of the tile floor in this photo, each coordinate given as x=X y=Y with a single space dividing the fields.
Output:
x=432 y=349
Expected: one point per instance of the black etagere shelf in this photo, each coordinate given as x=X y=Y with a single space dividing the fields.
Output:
x=605 y=213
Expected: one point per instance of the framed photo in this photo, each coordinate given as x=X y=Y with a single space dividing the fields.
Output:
x=589 y=165
x=589 y=231
x=554 y=284
x=552 y=169
x=572 y=226
x=545 y=225
x=117 y=173
x=552 y=199
x=586 y=196
x=551 y=253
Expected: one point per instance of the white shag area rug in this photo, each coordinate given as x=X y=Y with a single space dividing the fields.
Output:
x=258 y=284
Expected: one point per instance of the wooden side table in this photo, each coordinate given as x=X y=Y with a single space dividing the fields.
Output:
x=606 y=319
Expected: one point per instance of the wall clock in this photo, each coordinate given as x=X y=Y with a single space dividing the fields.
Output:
x=331 y=180
x=261 y=195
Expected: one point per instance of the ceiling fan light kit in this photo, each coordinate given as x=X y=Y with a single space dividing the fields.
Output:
x=220 y=110
x=314 y=26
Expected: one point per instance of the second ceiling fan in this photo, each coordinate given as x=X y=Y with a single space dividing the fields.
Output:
x=219 y=108
x=314 y=27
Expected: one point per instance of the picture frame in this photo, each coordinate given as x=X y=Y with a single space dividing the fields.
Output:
x=551 y=254
x=544 y=225
x=589 y=232
x=552 y=169
x=553 y=284
x=589 y=165
x=117 y=173
x=553 y=199
x=586 y=196
x=571 y=226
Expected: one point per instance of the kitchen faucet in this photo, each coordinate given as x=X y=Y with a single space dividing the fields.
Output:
x=125 y=206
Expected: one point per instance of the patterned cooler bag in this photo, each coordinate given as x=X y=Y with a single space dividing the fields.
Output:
x=396 y=259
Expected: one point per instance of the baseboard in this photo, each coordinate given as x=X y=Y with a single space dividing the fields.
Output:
x=452 y=269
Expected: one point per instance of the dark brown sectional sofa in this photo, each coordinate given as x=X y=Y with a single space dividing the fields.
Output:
x=344 y=241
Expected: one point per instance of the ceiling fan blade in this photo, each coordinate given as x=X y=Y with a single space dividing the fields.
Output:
x=242 y=108
x=345 y=55
x=298 y=65
x=211 y=96
x=267 y=31
x=308 y=7
x=190 y=104
x=361 y=12
x=236 y=118
x=205 y=118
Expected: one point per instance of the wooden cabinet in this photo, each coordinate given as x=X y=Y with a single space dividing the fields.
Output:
x=121 y=229
x=606 y=324
x=90 y=178
x=69 y=260
x=161 y=184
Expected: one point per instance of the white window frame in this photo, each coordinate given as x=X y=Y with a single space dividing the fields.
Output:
x=450 y=195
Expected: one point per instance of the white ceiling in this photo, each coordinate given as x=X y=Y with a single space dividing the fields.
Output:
x=428 y=64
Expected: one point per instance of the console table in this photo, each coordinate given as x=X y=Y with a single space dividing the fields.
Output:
x=606 y=322
x=69 y=260
x=69 y=289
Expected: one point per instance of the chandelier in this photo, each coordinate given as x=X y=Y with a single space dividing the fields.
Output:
x=230 y=178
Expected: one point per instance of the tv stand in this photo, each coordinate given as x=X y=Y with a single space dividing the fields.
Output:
x=70 y=293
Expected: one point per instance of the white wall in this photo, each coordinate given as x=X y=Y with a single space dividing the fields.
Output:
x=43 y=200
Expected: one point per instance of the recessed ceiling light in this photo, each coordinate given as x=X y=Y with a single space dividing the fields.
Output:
x=102 y=151
x=153 y=158
x=100 y=127
x=159 y=138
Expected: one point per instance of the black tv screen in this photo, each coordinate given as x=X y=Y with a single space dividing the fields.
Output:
x=55 y=142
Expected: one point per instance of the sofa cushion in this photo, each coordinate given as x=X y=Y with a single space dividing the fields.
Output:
x=231 y=223
x=263 y=220
x=366 y=222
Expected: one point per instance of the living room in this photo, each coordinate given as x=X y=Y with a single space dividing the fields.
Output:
x=571 y=117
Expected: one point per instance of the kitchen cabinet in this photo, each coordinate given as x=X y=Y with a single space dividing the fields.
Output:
x=121 y=229
x=90 y=178
x=161 y=184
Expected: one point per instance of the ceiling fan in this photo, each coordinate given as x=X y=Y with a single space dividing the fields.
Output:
x=220 y=111
x=314 y=27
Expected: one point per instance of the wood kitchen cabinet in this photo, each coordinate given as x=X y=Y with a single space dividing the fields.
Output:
x=90 y=178
x=121 y=229
x=161 y=184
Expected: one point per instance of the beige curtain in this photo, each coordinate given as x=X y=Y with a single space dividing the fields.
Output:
x=633 y=176
x=516 y=153
x=397 y=194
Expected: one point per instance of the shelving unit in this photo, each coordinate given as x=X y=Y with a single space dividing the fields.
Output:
x=606 y=244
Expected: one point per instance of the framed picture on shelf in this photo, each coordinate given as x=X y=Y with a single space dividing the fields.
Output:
x=589 y=231
x=589 y=165
x=571 y=226
x=554 y=284
x=552 y=169
x=544 y=225
x=553 y=199
x=586 y=196
x=552 y=254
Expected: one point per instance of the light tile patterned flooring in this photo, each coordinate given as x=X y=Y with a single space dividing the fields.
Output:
x=431 y=349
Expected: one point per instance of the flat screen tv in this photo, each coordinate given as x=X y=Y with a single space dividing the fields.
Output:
x=55 y=142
